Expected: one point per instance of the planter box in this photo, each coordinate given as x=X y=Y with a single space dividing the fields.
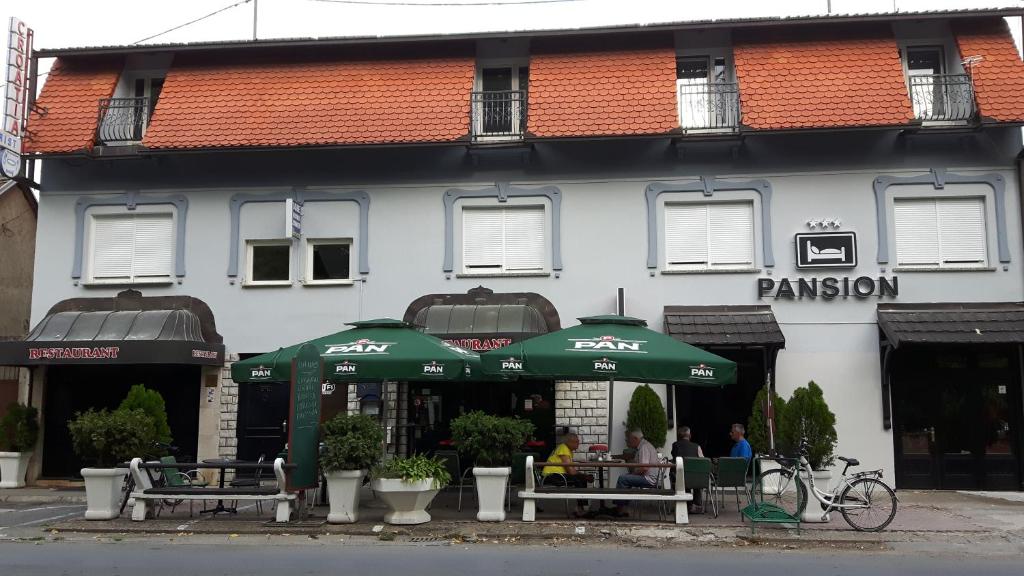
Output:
x=408 y=501
x=343 y=493
x=103 y=492
x=13 y=466
x=491 y=484
x=813 y=512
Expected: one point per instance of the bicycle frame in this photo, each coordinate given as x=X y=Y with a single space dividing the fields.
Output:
x=826 y=499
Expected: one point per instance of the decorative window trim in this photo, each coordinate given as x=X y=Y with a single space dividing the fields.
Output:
x=130 y=200
x=938 y=178
x=301 y=195
x=708 y=185
x=307 y=262
x=249 y=244
x=503 y=191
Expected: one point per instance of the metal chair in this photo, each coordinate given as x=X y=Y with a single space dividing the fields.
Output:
x=697 y=476
x=732 y=473
x=253 y=482
x=454 y=468
x=175 y=478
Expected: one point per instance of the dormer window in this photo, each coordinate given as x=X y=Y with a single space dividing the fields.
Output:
x=708 y=98
x=123 y=118
x=499 y=103
x=936 y=94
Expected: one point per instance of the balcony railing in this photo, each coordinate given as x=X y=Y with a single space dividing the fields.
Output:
x=942 y=97
x=708 y=105
x=122 y=120
x=498 y=114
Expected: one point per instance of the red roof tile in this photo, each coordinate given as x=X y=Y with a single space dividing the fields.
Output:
x=591 y=89
x=313 y=102
x=835 y=78
x=67 y=109
x=999 y=76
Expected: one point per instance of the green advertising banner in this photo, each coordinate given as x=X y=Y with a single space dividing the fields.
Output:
x=304 y=417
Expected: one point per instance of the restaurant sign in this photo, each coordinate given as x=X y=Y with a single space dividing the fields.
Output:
x=58 y=353
x=479 y=344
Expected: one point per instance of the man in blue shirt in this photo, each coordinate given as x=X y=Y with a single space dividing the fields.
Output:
x=741 y=448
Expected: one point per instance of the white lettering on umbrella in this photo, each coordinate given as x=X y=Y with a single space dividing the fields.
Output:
x=607 y=343
x=359 y=347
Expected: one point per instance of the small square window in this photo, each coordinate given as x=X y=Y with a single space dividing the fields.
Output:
x=328 y=261
x=269 y=262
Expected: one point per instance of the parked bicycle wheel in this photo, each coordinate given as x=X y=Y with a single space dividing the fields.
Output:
x=874 y=504
x=780 y=487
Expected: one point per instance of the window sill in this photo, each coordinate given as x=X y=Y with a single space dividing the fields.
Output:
x=503 y=275
x=943 y=269
x=316 y=283
x=267 y=284
x=107 y=283
x=714 y=271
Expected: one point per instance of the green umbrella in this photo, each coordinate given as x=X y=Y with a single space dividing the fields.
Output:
x=610 y=348
x=372 y=351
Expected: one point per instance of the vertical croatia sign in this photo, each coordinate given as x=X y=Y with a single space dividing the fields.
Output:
x=16 y=95
x=304 y=418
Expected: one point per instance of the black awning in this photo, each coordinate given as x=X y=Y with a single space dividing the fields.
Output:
x=481 y=326
x=964 y=323
x=724 y=326
x=115 y=337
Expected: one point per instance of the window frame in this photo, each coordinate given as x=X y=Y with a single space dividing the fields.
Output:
x=709 y=267
x=90 y=247
x=250 y=244
x=309 y=244
x=941 y=265
x=515 y=66
x=511 y=204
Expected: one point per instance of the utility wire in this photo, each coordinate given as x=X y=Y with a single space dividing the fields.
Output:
x=444 y=4
x=189 y=23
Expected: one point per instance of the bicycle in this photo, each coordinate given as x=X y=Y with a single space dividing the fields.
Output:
x=866 y=502
x=128 y=486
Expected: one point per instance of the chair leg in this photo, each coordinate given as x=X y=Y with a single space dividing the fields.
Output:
x=460 y=496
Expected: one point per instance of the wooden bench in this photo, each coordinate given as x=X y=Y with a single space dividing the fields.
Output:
x=532 y=492
x=145 y=491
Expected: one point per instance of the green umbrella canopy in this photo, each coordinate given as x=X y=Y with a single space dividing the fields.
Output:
x=373 y=350
x=610 y=347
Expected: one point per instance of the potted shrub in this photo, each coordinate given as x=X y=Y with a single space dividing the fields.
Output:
x=807 y=414
x=152 y=403
x=647 y=414
x=19 y=430
x=352 y=445
x=408 y=485
x=757 y=428
x=107 y=439
x=489 y=442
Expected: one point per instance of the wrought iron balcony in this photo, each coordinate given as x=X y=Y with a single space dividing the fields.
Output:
x=707 y=105
x=498 y=114
x=122 y=120
x=942 y=97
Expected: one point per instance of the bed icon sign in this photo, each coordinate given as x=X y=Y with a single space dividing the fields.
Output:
x=826 y=250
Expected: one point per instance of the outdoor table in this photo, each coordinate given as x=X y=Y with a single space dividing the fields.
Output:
x=222 y=464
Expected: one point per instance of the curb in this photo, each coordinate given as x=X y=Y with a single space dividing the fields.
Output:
x=20 y=499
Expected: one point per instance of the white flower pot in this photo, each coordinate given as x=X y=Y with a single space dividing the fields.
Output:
x=343 y=493
x=407 y=500
x=813 y=512
x=491 y=484
x=13 y=466
x=103 y=492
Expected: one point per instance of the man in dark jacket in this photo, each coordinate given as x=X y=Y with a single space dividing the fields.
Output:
x=683 y=447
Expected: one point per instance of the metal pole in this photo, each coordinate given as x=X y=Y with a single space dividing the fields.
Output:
x=255 y=12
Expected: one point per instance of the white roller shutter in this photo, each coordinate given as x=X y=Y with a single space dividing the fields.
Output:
x=686 y=234
x=731 y=231
x=940 y=232
x=524 y=238
x=709 y=235
x=154 y=244
x=112 y=247
x=962 y=230
x=917 y=232
x=482 y=238
x=503 y=239
x=132 y=247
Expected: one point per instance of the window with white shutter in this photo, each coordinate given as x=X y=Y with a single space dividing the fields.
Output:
x=506 y=239
x=717 y=235
x=132 y=248
x=940 y=232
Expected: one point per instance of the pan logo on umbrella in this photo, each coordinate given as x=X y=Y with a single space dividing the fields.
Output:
x=604 y=365
x=606 y=343
x=362 y=346
x=702 y=372
x=432 y=368
x=260 y=372
x=512 y=364
x=345 y=367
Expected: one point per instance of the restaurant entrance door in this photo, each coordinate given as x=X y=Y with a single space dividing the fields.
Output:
x=957 y=418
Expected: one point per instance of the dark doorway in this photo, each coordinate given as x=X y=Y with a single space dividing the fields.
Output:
x=262 y=419
x=957 y=415
x=709 y=412
x=71 y=389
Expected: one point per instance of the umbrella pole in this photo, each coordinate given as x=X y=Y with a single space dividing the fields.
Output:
x=611 y=411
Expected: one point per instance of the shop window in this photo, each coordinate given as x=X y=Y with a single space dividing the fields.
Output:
x=328 y=261
x=503 y=240
x=709 y=236
x=131 y=248
x=940 y=232
x=269 y=262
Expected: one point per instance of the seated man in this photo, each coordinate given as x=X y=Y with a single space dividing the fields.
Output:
x=566 y=475
x=685 y=448
x=741 y=448
x=641 y=475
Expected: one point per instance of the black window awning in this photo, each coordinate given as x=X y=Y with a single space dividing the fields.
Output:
x=481 y=326
x=724 y=326
x=952 y=323
x=115 y=337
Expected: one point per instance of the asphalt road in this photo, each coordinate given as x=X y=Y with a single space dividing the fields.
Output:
x=158 y=559
x=20 y=518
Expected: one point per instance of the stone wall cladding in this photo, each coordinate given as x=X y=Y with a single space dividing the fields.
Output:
x=228 y=444
x=583 y=408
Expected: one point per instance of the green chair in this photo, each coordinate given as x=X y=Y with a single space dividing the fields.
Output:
x=697 y=476
x=732 y=473
x=173 y=477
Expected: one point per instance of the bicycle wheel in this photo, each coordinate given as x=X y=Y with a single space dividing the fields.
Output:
x=875 y=501
x=780 y=487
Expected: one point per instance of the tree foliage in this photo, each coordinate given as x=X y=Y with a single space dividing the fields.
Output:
x=757 y=424
x=490 y=440
x=647 y=414
x=19 y=428
x=807 y=414
x=415 y=469
x=152 y=403
x=351 y=442
x=108 y=438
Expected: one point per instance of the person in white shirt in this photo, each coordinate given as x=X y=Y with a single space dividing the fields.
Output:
x=642 y=475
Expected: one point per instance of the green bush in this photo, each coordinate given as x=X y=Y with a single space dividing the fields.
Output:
x=414 y=469
x=152 y=403
x=19 y=428
x=106 y=438
x=807 y=414
x=490 y=440
x=757 y=424
x=647 y=414
x=351 y=442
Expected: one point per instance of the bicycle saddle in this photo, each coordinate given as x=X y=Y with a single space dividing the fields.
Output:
x=850 y=461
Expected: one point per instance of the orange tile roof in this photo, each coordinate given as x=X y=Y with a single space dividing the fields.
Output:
x=313 y=102
x=999 y=76
x=66 y=112
x=580 y=89
x=844 y=77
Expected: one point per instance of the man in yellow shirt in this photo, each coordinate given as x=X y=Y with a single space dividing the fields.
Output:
x=567 y=476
